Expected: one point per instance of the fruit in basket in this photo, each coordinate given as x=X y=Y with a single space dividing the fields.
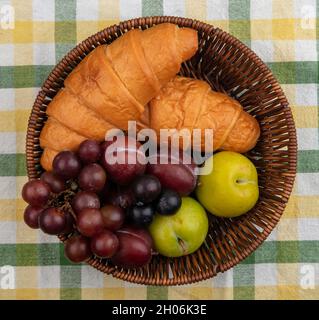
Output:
x=135 y=248
x=90 y=222
x=55 y=183
x=69 y=223
x=67 y=165
x=31 y=216
x=113 y=217
x=36 y=193
x=85 y=199
x=146 y=188
x=92 y=178
x=172 y=172
x=182 y=233
x=120 y=196
x=169 y=202
x=142 y=233
x=89 y=151
x=105 y=244
x=231 y=189
x=52 y=221
x=141 y=215
x=124 y=160
x=77 y=248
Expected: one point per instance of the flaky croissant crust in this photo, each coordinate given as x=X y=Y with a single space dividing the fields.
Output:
x=113 y=84
x=192 y=104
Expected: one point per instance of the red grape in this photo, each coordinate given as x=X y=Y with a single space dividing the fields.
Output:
x=52 y=221
x=67 y=165
x=90 y=222
x=134 y=249
x=77 y=249
x=104 y=244
x=113 y=217
x=92 y=178
x=104 y=145
x=69 y=224
x=36 y=193
x=56 y=184
x=130 y=160
x=89 y=151
x=141 y=233
x=31 y=216
x=85 y=199
x=122 y=197
x=175 y=174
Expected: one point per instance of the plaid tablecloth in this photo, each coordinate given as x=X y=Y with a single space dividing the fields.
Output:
x=283 y=33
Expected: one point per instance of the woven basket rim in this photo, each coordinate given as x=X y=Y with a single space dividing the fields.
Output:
x=196 y=24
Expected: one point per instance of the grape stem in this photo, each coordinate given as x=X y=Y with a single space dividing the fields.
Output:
x=62 y=201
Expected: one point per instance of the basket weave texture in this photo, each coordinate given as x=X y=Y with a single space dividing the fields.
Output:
x=230 y=67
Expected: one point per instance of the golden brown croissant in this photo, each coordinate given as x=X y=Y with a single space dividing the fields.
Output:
x=47 y=158
x=58 y=137
x=189 y=103
x=66 y=109
x=113 y=84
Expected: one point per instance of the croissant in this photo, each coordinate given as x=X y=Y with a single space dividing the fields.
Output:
x=189 y=103
x=112 y=85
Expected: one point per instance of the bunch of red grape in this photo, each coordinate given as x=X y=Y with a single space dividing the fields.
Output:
x=112 y=203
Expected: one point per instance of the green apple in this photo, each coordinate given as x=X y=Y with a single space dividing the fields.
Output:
x=182 y=233
x=231 y=188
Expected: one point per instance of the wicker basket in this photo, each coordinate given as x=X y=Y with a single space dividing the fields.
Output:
x=229 y=66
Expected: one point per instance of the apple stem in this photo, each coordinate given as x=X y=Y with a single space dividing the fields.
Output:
x=182 y=244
